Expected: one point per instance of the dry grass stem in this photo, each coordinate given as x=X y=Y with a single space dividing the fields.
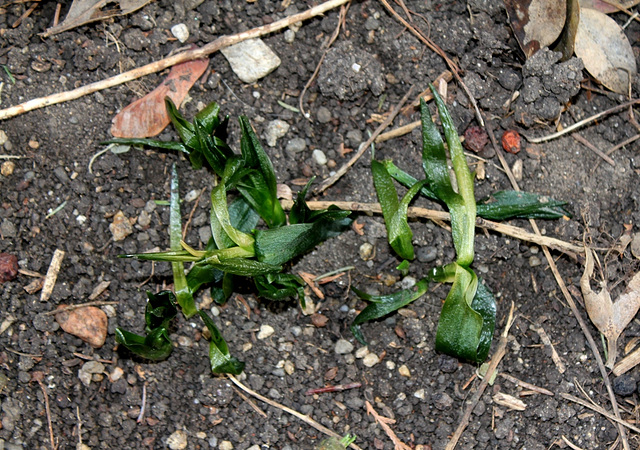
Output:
x=157 y=66
x=627 y=363
x=593 y=148
x=600 y=410
x=544 y=337
x=524 y=384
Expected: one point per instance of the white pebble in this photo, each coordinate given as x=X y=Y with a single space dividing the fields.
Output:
x=390 y=365
x=319 y=157
x=181 y=32
x=356 y=67
x=362 y=352
x=404 y=371
x=419 y=394
x=177 y=440
x=371 y=360
x=265 y=331
x=191 y=196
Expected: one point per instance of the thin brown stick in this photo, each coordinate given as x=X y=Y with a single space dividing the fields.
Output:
x=424 y=213
x=72 y=307
x=56 y=16
x=342 y=170
x=384 y=423
x=524 y=384
x=47 y=409
x=26 y=14
x=250 y=402
x=565 y=292
x=432 y=45
x=157 y=66
x=400 y=131
x=306 y=419
x=582 y=123
x=501 y=350
x=593 y=148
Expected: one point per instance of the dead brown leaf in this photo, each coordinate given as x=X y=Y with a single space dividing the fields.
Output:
x=148 y=116
x=536 y=23
x=83 y=12
x=609 y=318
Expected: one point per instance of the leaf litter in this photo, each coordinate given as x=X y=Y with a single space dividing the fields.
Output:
x=609 y=318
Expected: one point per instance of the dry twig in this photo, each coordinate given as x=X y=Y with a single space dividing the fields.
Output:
x=52 y=275
x=424 y=213
x=594 y=149
x=524 y=384
x=544 y=337
x=600 y=410
x=157 y=66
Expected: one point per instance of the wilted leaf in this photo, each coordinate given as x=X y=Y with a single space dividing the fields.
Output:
x=148 y=116
x=83 y=12
x=605 y=50
x=609 y=318
x=608 y=6
x=536 y=23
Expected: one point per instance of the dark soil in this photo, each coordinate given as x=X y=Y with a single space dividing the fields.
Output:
x=56 y=144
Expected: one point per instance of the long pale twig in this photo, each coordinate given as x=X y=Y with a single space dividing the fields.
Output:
x=582 y=123
x=424 y=213
x=501 y=350
x=594 y=149
x=600 y=410
x=565 y=292
x=157 y=66
x=342 y=170
x=306 y=419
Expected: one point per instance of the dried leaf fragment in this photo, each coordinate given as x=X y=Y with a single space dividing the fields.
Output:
x=536 y=23
x=605 y=50
x=609 y=318
x=83 y=12
x=148 y=116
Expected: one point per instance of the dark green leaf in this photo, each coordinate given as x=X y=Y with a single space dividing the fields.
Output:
x=484 y=303
x=407 y=180
x=183 y=127
x=382 y=305
x=300 y=212
x=219 y=358
x=279 y=245
x=460 y=328
x=280 y=286
x=209 y=117
x=260 y=188
x=156 y=345
x=183 y=293
x=525 y=205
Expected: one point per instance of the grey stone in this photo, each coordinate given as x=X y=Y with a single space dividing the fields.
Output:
x=343 y=347
x=296 y=145
x=204 y=233
x=624 y=385
x=61 y=174
x=251 y=60
x=275 y=130
x=442 y=401
x=8 y=229
x=323 y=115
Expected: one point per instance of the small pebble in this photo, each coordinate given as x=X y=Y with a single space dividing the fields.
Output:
x=635 y=245
x=3 y=137
x=120 y=227
x=319 y=157
x=275 y=130
x=366 y=251
x=7 y=168
x=116 y=374
x=442 y=401
x=624 y=385
x=181 y=32
x=33 y=144
x=289 y=368
x=265 y=331
x=177 y=440
x=343 y=347
x=289 y=36
x=8 y=267
x=88 y=323
x=323 y=115
x=296 y=145
x=427 y=254
x=226 y=445
x=534 y=261
x=191 y=196
x=404 y=371
x=362 y=352
x=408 y=282
x=144 y=219
x=370 y=360
x=420 y=393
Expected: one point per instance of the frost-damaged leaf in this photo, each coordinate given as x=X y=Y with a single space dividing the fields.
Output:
x=609 y=318
x=608 y=6
x=219 y=358
x=148 y=116
x=605 y=50
x=536 y=23
x=83 y=12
